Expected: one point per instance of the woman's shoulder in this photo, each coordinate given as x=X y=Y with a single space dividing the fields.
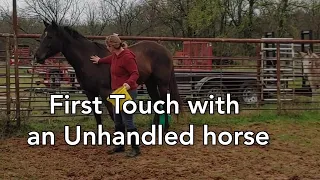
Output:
x=127 y=53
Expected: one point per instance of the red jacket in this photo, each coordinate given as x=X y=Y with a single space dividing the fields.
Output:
x=124 y=69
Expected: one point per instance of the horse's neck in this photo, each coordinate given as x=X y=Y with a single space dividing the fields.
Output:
x=307 y=67
x=78 y=54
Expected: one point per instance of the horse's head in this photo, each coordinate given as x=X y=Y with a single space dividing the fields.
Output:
x=308 y=58
x=50 y=42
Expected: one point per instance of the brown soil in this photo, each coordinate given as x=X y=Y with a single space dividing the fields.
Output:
x=293 y=153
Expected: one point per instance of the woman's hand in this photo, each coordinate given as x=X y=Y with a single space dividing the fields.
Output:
x=126 y=85
x=95 y=59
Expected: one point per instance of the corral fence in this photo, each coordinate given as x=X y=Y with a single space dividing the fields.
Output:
x=271 y=78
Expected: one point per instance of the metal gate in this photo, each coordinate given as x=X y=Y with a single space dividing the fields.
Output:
x=278 y=70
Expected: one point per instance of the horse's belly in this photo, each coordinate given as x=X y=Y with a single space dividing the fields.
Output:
x=145 y=71
x=143 y=76
x=89 y=84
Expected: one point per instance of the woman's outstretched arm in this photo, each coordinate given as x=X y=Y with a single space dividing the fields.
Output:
x=104 y=60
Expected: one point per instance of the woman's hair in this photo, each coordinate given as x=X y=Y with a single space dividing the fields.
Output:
x=124 y=45
x=114 y=41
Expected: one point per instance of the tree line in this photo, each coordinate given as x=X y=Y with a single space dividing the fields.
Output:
x=179 y=18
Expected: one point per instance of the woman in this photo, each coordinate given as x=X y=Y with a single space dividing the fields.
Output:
x=124 y=72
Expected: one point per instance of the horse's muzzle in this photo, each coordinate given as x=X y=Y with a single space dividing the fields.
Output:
x=36 y=60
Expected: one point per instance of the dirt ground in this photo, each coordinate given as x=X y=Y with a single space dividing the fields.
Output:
x=293 y=153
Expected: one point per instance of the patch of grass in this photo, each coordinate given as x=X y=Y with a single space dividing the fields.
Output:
x=245 y=118
x=2 y=128
x=58 y=124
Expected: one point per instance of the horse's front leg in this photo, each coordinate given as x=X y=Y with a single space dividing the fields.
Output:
x=104 y=93
x=91 y=97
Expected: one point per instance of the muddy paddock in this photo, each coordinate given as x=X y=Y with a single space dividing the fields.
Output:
x=293 y=153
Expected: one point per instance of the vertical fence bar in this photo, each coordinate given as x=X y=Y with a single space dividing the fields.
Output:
x=293 y=73
x=16 y=69
x=259 y=81
x=8 y=93
x=278 y=79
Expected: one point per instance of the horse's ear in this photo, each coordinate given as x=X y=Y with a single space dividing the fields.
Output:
x=309 y=51
x=315 y=55
x=54 y=24
x=46 y=24
x=301 y=53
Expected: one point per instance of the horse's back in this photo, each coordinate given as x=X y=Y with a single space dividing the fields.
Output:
x=153 y=59
x=155 y=53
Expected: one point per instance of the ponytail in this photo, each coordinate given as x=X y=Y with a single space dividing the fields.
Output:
x=124 y=45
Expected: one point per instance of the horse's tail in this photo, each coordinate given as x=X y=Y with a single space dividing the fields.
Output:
x=174 y=92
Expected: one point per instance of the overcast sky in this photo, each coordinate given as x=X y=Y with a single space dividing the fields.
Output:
x=21 y=4
x=8 y=3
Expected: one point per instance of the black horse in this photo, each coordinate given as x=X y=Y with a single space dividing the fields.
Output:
x=155 y=64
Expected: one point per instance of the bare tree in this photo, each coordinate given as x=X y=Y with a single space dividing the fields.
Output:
x=119 y=10
x=60 y=11
x=174 y=15
x=97 y=17
x=6 y=18
x=130 y=17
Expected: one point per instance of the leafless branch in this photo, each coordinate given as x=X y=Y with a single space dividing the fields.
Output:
x=60 y=11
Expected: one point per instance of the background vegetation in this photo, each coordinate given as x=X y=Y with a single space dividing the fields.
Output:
x=180 y=18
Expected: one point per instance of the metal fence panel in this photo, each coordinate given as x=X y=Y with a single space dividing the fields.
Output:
x=271 y=78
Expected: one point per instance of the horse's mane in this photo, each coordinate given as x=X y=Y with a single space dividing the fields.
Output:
x=102 y=46
x=76 y=35
x=73 y=33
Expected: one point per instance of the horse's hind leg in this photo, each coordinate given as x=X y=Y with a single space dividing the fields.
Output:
x=163 y=91
x=154 y=95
